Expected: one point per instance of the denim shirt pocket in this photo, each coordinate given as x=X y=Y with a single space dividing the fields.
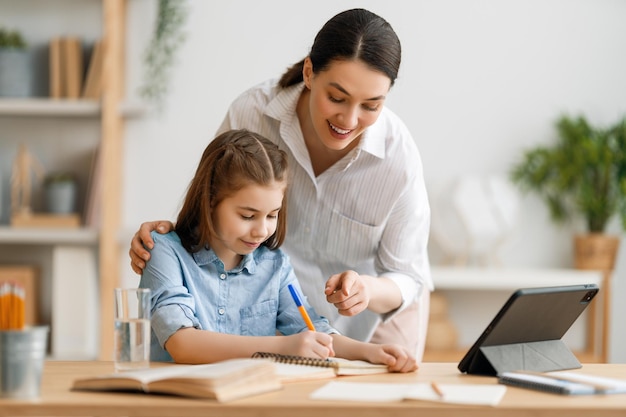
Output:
x=259 y=319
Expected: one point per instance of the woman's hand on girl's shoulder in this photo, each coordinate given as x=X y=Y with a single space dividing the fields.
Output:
x=142 y=240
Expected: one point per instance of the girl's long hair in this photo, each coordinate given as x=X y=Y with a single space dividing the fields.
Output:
x=231 y=161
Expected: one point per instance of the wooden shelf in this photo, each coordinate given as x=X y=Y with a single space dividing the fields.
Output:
x=102 y=119
x=48 y=236
x=497 y=279
x=49 y=107
x=37 y=107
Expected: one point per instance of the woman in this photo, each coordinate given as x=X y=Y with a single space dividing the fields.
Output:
x=358 y=210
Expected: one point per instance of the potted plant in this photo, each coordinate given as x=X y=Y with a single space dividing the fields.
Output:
x=60 y=192
x=16 y=72
x=582 y=175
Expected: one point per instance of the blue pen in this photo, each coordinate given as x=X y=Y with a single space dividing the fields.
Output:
x=303 y=312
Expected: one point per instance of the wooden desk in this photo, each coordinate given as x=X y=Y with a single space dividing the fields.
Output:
x=57 y=399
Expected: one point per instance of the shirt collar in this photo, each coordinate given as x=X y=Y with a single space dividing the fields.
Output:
x=374 y=138
x=207 y=256
x=283 y=108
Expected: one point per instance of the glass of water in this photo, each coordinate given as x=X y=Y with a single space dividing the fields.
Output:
x=132 y=329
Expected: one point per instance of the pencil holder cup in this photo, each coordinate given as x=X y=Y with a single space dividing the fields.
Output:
x=22 y=354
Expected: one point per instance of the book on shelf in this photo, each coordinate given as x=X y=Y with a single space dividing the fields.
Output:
x=222 y=381
x=55 y=70
x=563 y=382
x=294 y=368
x=72 y=55
x=93 y=200
x=65 y=67
x=93 y=81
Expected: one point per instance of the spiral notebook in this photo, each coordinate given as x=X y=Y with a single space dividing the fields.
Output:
x=295 y=368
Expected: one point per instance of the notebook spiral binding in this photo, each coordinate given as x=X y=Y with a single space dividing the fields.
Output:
x=294 y=359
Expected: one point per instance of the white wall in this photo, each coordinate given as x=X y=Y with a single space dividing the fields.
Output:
x=480 y=81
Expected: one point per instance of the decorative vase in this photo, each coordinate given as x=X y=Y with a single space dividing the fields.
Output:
x=596 y=251
x=16 y=73
x=60 y=197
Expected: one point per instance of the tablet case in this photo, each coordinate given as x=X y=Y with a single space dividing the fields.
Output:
x=526 y=333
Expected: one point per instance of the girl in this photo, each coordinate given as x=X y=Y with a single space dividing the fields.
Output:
x=219 y=282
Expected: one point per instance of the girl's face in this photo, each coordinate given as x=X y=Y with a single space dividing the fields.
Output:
x=345 y=100
x=245 y=220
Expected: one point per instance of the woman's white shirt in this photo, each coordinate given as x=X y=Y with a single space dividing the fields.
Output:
x=369 y=212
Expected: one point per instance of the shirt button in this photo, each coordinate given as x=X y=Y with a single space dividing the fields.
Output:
x=222 y=276
x=221 y=310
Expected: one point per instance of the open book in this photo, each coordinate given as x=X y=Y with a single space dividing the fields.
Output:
x=222 y=381
x=293 y=368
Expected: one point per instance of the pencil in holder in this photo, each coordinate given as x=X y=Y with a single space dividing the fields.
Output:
x=12 y=306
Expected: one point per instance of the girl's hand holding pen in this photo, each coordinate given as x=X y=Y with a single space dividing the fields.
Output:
x=309 y=344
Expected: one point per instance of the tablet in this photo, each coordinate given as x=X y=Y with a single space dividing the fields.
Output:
x=526 y=333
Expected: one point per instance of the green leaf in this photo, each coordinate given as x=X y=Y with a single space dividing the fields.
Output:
x=11 y=39
x=160 y=56
x=582 y=174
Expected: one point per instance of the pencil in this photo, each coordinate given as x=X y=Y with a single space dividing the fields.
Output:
x=437 y=390
x=301 y=308
x=19 y=306
x=12 y=309
x=4 y=306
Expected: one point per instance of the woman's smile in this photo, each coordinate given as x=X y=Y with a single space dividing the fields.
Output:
x=339 y=131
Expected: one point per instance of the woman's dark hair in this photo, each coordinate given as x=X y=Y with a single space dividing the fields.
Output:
x=355 y=34
x=231 y=161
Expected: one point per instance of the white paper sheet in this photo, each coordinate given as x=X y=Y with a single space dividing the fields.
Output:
x=376 y=392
